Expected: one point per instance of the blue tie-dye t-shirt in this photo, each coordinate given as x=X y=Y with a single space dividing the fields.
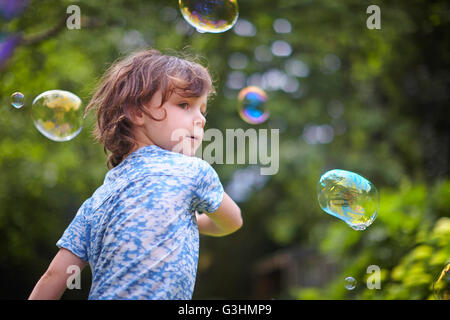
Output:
x=138 y=231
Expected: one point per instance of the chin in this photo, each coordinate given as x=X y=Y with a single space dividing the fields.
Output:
x=189 y=152
x=186 y=147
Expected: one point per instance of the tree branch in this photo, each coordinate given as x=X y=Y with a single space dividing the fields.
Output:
x=86 y=22
x=45 y=35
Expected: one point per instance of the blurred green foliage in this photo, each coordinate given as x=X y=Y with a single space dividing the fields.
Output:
x=393 y=86
x=410 y=246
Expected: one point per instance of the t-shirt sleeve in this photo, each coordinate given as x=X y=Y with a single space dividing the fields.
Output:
x=75 y=237
x=208 y=193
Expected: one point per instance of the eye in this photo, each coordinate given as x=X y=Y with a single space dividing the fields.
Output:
x=205 y=113
x=184 y=105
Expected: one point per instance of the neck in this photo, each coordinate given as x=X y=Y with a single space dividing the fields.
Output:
x=141 y=140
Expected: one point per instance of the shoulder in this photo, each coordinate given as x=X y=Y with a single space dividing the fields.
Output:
x=200 y=165
x=193 y=167
x=156 y=161
x=186 y=163
x=205 y=174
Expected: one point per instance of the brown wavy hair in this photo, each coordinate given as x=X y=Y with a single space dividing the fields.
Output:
x=129 y=84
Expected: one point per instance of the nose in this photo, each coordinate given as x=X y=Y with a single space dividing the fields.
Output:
x=199 y=120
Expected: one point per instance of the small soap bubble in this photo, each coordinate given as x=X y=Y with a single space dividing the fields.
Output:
x=350 y=283
x=17 y=99
x=58 y=115
x=213 y=16
x=348 y=196
x=252 y=105
x=441 y=287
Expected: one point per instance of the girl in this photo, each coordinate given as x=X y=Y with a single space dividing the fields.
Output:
x=139 y=231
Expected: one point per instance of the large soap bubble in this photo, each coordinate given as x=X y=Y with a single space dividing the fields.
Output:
x=58 y=115
x=252 y=105
x=213 y=16
x=348 y=196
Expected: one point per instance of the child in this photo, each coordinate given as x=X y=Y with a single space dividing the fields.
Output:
x=139 y=231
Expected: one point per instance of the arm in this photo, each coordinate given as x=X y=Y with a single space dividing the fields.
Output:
x=227 y=219
x=53 y=283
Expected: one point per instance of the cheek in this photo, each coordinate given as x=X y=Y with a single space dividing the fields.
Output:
x=172 y=128
x=176 y=119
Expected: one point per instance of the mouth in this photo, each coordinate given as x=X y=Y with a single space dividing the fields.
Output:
x=193 y=138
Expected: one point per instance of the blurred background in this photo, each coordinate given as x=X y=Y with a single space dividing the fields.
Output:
x=375 y=102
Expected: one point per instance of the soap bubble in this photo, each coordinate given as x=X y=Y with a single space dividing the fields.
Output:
x=17 y=100
x=441 y=287
x=58 y=115
x=350 y=283
x=213 y=16
x=251 y=102
x=348 y=196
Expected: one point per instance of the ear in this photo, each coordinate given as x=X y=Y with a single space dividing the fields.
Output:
x=134 y=115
